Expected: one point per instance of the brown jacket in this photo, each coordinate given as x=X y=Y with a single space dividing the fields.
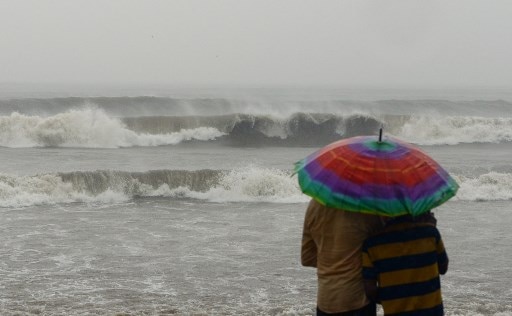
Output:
x=331 y=242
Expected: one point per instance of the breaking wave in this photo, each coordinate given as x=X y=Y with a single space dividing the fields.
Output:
x=316 y=129
x=299 y=129
x=92 y=127
x=247 y=120
x=87 y=128
x=247 y=184
x=252 y=184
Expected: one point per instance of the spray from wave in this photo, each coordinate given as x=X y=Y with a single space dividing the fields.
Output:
x=90 y=128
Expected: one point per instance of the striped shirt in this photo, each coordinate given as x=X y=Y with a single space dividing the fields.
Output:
x=404 y=259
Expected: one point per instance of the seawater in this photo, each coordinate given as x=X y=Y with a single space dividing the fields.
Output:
x=186 y=205
x=187 y=257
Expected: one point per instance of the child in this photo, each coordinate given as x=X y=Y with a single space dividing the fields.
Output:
x=402 y=264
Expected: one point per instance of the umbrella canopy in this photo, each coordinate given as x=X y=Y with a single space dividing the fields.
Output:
x=388 y=177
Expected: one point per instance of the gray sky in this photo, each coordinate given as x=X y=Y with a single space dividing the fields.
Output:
x=262 y=42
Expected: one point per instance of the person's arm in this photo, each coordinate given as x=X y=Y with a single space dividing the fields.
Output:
x=309 y=250
x=442 y=257
x=443 y=267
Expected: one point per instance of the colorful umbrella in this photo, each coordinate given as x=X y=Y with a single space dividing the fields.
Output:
x=388 y=177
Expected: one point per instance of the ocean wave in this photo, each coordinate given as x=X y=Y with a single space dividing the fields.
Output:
x=299 y=129
x=317 y=129
x=89 y=127
x=247 y=184
x=92 y=127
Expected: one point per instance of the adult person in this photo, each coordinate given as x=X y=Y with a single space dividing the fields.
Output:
x=331 y=242
x=402 y=264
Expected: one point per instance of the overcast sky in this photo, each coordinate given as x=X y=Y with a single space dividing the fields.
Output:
x=258 y=42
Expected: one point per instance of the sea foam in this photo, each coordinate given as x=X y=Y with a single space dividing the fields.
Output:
x=452 y=130
x=48 y=189
x=487 y=187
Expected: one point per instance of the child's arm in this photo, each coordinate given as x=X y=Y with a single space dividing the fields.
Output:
x=442 y=257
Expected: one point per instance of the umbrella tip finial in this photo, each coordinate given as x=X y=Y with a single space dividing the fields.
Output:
x=380 y=134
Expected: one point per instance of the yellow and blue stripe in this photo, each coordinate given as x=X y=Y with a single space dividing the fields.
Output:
x=404 y=259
